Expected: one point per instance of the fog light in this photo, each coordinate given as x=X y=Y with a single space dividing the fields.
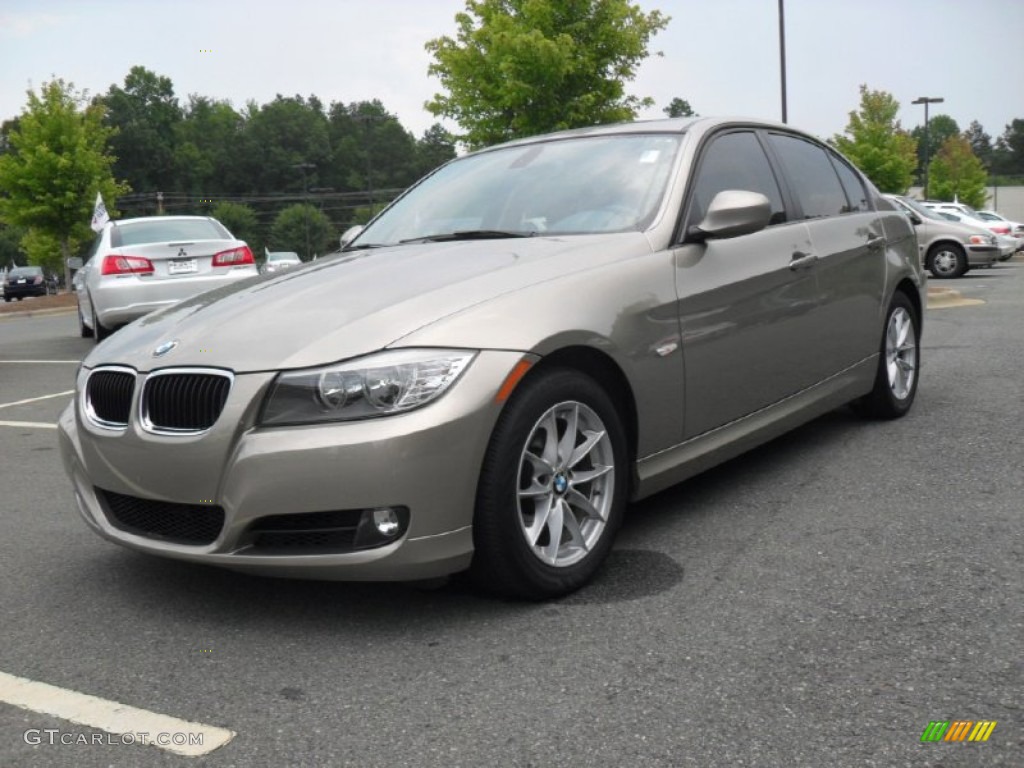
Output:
x=381 y=526
x=386 y=522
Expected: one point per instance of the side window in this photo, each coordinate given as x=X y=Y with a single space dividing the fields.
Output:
x=855 y=194
x=811 y=176
x=735 y=161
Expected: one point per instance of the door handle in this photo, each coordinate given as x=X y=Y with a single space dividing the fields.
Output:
x=876 y=242
x=802 y=260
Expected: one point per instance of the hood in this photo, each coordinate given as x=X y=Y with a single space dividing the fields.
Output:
x=337 y=308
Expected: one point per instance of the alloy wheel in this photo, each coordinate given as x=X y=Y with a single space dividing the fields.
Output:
x=566 y=484
x=901 y=353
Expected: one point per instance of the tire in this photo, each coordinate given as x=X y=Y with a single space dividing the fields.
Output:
x=100 y=331
x=7 y=299
x=547 y=509
x=946 y=260
x=899 y=361
x=83 y=329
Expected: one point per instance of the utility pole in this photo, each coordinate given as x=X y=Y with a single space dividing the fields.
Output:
x=305 y=194
x=159 y=203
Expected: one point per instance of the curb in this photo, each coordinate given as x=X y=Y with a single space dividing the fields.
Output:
x=31 y=312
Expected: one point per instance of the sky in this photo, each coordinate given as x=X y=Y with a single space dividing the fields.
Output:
x=720 y=55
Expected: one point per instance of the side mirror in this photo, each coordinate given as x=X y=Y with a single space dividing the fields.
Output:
x=734 y=212
x=914 y=217
x=350 y=234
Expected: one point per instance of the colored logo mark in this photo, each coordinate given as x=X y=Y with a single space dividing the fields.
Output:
x=958 y=730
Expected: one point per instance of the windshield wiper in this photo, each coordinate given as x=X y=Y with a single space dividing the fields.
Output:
x=468 y=234
x=362 y=247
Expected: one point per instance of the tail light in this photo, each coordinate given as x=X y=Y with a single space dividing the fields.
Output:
x=38 y=279
x=1000 y=230
x=233 y=258
x=126 y=265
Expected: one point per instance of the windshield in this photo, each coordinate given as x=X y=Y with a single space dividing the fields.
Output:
x=919 y=209
x=563 y=187
x=26 y=272
x=157 y=230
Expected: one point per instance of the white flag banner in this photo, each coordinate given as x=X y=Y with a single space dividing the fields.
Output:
x=99 y=214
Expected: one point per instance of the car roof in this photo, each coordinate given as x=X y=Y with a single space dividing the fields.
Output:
x=668 y=125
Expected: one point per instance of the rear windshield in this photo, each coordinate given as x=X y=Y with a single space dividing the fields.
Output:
x=167 y=231
x=26 y=271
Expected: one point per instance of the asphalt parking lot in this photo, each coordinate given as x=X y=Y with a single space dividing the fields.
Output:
x=816 y=602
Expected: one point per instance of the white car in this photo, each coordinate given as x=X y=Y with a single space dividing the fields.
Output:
x=967 y=215
x=1016 y=228
x=280 y=260
x=136 y=266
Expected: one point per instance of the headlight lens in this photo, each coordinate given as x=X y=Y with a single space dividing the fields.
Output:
x=381 y=384
x=982 y=239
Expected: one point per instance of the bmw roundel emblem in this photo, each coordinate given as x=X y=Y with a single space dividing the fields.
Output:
x=164 y=348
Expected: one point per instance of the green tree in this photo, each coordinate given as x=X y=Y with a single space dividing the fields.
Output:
x=1009 y=151
x=521 y=67
x=285 y=145
x=981 y=143
x=679 y=108
x=292 y=226
x=57 y=163
x=956 y=173
x=434 y=149
x=940 y=128
x=207 y=142
x=243 y=223
x=876 y=143
x=11 y=252
x=146 y=114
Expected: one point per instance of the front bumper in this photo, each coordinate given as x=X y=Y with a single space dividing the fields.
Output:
x=983 y=255
x=427 y=460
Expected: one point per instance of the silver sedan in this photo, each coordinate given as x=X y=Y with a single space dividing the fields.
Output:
x=136 y=266
x=525 y=341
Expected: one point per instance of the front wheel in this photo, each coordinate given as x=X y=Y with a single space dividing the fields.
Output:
x=946 y=260
x=552 y=490
x=898 y=364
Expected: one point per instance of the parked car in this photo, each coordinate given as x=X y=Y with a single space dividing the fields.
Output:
x=524 y=341
x=24 y=281
x=1016 y=228
x=962 y=212
x=278 y=261
x=948 y=248
x=1007 y=244
x=136 y=266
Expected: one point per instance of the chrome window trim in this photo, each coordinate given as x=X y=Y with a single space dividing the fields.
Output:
x=86 y=405
x=148 y=426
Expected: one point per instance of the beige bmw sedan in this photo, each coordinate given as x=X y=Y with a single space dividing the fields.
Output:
x=525 y=341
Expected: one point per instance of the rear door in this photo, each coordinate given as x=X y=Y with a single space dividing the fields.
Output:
x=849 y=242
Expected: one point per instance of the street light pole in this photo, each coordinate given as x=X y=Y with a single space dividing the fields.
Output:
x=782 y=55
x=305 y=197
x=926 y=100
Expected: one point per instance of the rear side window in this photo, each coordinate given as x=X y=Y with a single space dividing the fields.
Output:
x=852 y=185
x=735 y=161
x=166 y=231
x=811 y=176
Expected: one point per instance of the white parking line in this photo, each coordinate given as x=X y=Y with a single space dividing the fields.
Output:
x=37 y=424
x=36 y=399
x=45 y=362
x=137 y=726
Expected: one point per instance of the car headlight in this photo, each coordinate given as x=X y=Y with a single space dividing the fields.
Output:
x=380 y=384
x=981 y=240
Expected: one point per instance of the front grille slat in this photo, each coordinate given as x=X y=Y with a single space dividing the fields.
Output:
x=184 y=401
x=193 y=524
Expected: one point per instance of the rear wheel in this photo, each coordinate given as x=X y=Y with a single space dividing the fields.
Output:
x=100 y=331
x=83 y=329
x=552 y=490
x=946 y=260
x=898 y=364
